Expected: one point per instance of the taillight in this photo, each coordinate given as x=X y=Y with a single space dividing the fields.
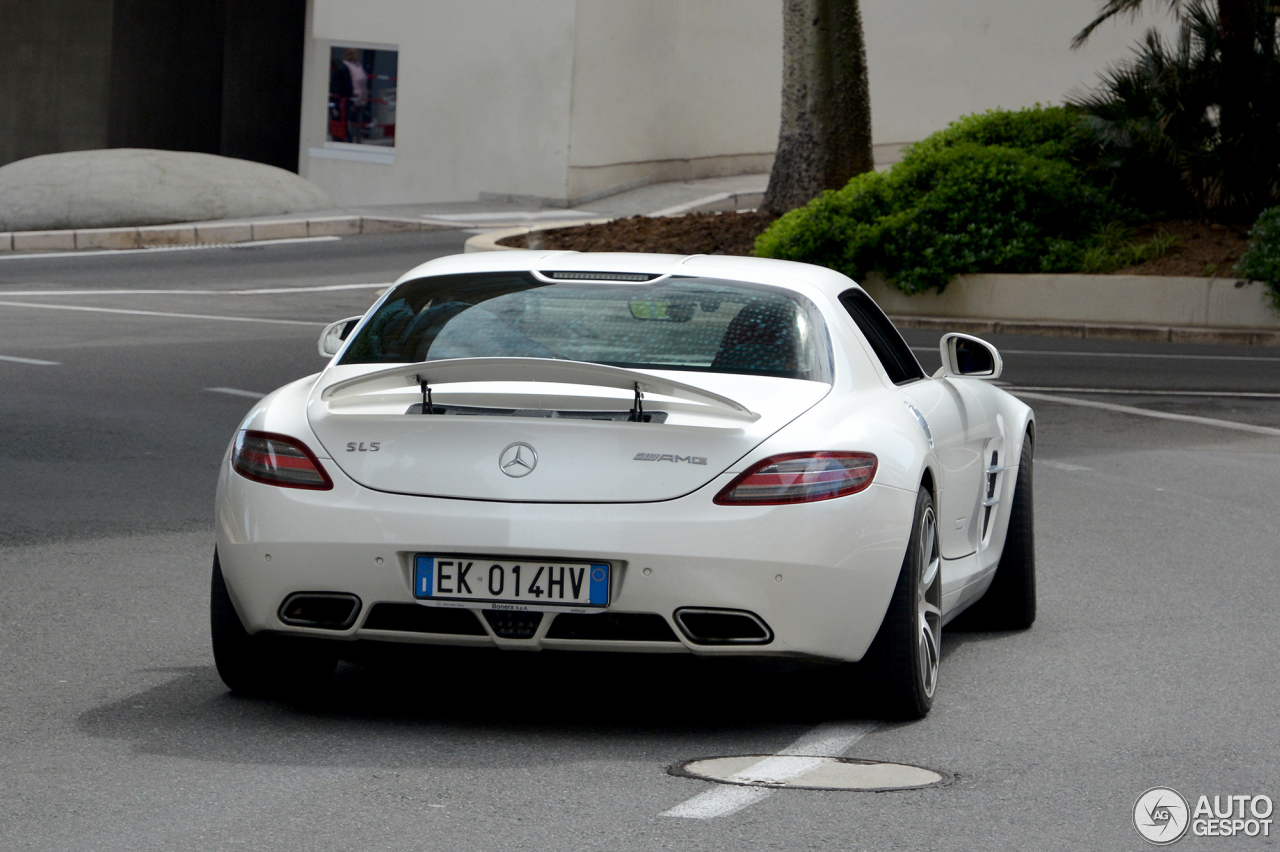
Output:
x=799 y=478
x=278 y=460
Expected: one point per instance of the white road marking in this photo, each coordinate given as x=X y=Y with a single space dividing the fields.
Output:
x=263 y=291
x=36 y=361
x=1147 y=392
x=1144 y=412
x=802 y=755
x=154 y=249
x=1078 y=354
x=161 y=314
x=1057 y=465
x=237 y=392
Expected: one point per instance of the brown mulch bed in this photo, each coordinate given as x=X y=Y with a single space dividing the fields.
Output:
x=1204 y=251
x=694 y=233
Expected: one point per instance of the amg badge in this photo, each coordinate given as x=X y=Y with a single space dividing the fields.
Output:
x=658 y=457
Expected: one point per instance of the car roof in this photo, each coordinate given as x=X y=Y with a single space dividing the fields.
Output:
x=802 y=277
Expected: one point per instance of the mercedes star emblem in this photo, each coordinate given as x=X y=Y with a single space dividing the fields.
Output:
x=518 y=459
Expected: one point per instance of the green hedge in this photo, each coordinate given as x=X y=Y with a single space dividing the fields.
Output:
x=1261 y=262
x=1055 y=133
x=954 y=206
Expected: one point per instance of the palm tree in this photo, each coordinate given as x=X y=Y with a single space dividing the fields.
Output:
x=1238 y=26
x=825 y=137
x=1209 y=100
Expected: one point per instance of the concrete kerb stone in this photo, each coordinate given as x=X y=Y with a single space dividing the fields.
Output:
x=167 y=235
x=488 y=241
x=224 y=232
x=44 y=241
x=1095 y=331
x=208 y=233
x=285 y=229
x=720 y=202
x=391 y=225
x=333 y=226
x=107 y=238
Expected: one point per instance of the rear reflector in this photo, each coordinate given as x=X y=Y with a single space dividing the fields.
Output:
x=278 y=460
x=799 y=478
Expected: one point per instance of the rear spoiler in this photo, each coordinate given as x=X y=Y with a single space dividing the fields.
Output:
x=456 y=370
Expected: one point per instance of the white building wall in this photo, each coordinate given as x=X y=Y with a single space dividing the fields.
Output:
x=932 y=61
x=560 y=99
x=674 y=89
x=482 y=97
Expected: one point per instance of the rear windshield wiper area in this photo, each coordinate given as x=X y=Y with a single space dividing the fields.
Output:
x=544 y=413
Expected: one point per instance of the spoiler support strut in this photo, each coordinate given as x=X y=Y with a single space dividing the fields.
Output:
x=637 y=407
x=428 y=407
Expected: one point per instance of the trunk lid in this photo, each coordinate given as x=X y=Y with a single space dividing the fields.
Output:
x=561 y=425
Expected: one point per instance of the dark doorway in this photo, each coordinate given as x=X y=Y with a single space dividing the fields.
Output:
x=215 y=76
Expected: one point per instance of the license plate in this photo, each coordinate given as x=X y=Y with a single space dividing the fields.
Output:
x=532 y=583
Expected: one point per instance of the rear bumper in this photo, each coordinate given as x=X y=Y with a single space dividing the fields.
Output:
x=820 y=575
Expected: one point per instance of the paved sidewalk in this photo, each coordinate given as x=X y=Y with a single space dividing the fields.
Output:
x=665 y=198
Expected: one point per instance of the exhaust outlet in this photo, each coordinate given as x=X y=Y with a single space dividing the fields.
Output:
x=723 y=627
x=326 y=610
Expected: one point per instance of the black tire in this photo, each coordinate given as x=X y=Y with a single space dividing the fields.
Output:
x=262 y=665
x=902 y=662
x=1010 y=601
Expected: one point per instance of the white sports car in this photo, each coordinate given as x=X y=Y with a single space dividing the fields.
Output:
x=626 y=452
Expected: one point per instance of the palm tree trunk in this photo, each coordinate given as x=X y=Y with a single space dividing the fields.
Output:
x=825 y=136
x=1235 y=18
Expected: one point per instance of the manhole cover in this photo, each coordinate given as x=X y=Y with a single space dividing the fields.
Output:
x=801 y=772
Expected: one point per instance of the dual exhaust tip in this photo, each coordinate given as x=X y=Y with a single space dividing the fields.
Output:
x=723 y=627
x=325 y=610
x=339 y=611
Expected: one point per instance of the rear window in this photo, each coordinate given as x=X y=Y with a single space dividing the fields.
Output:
x=672 y=324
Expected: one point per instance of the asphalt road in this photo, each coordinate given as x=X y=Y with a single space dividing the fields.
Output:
x=1152 y=661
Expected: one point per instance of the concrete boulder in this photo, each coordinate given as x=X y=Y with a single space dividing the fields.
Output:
x=123 y=187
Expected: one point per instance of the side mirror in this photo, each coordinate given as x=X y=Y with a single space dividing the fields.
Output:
x=965 y=355
x=334 y=334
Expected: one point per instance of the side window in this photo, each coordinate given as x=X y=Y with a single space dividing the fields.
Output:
x=894 y=353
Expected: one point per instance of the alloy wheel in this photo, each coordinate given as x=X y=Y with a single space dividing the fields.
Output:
x=929 y=603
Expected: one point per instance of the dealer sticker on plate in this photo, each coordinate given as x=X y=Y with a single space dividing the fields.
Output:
x=537 y=583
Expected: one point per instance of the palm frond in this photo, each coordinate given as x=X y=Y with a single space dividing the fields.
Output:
x=1115 y=8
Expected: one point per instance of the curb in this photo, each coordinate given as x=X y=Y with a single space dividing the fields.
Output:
x=1156 y=332
x=152 y=236
x=488 y=241
x=719 y=202
x=1095 y=331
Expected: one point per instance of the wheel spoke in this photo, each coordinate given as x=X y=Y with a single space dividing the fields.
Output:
x=928 y=603
x=928 y=656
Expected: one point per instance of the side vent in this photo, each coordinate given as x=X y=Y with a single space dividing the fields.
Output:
x=990 y=500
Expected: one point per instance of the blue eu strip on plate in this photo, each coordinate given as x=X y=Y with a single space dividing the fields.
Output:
x=422 y=576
